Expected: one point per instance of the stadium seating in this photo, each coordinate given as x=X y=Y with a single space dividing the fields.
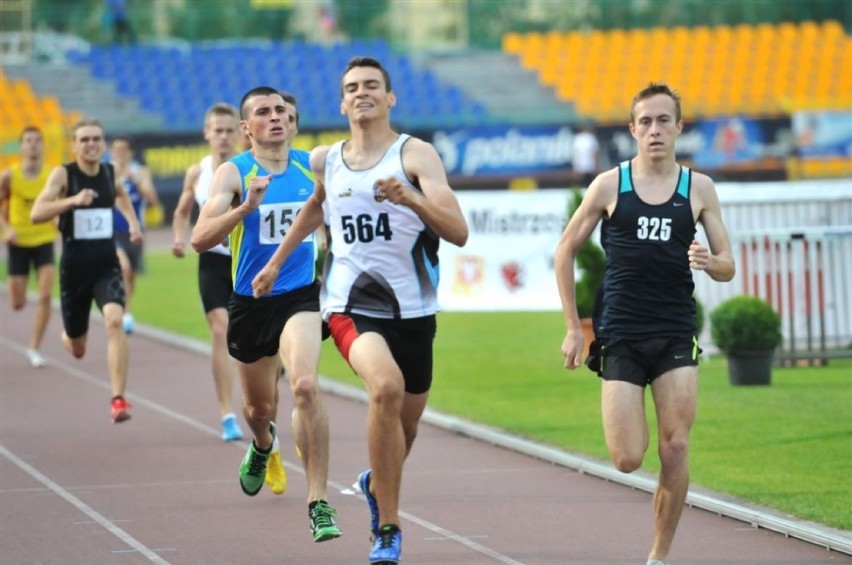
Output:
x=181 y=83
x=762 y=69
x=20 y=107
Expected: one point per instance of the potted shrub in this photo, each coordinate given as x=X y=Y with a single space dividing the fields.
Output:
x=748 y=331
x=590 y=263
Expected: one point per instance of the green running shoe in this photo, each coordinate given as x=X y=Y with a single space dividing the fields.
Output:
x=322 y=521
x=253 y=467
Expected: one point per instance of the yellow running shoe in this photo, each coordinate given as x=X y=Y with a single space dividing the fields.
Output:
x=276 y=477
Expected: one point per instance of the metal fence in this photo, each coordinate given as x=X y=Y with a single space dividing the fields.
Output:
x=792 y=244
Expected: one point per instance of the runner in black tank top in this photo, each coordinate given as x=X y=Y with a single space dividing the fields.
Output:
x=645 y=313
x=82 y=194
x=648 y=286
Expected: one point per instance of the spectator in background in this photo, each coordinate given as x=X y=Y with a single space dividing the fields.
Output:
x=585 y=156
x=116 y=15
x=139 y=185
x=328 y=20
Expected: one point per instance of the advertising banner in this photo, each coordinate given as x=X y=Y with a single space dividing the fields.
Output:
x=507 y=263
x=734 y=145
x=823 y=134
x=503 y=150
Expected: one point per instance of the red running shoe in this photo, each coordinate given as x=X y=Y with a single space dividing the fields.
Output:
x=120 y=410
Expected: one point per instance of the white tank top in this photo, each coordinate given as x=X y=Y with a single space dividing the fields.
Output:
x=202 y=190
x=383 y=260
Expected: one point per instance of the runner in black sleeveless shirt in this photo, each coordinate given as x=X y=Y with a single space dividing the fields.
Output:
x=645 y=316
x=83 y=194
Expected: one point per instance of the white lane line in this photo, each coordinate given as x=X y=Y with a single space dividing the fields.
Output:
x=82 y=375
x=355 y=490
x=82 y=507
x=83 y=488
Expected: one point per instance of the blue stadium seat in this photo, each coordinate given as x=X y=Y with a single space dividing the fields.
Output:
x=182 y=83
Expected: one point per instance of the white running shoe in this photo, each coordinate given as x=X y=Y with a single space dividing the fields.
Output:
x=35 y=358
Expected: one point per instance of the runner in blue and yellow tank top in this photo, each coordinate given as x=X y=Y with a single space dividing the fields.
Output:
x=30 y=244
x=254 y=198
x=255 y=238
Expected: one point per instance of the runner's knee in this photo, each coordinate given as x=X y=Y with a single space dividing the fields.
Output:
x=388 y=393
x=627 y=460
x=673 y=451
x=258 y=412
x=304 y=390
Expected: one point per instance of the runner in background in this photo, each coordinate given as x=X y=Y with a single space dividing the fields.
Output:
x=222 y=132
x=139 y=185
x=82 y=194
x=29 y=244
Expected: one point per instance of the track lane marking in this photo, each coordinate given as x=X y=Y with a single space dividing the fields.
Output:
x=152 y=405
x=96 y=516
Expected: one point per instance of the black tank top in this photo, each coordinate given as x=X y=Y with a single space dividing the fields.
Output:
x=87 y=235
x=647 y=288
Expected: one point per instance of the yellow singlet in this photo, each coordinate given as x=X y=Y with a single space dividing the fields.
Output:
x=22 y=194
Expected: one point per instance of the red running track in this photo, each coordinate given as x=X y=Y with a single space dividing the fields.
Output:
x=162 y=487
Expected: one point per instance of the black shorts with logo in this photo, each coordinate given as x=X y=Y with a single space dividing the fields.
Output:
x=255 y=324
x=20 y=258
x=641 y=361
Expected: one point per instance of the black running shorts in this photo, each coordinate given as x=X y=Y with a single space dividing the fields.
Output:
x=255 y=324
x=80 y=284
x=214 y=280
x=641 y=361
x=409 y=340
x=20 y=258
x=133 y=251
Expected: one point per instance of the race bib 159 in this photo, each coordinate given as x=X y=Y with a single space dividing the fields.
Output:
x=275 y=221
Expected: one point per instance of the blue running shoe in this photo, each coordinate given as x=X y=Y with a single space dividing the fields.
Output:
x=388 y=546
x=364 y=484
x=231 y=429
x=128 y=322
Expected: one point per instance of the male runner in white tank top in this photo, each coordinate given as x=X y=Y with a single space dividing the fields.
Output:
x=222 y=132
x=387 y=204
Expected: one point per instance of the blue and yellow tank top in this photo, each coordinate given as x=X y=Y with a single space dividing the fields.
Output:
x=22 y=194
x=256 y=237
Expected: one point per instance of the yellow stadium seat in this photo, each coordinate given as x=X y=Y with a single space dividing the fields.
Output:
x=832 y=29
x=513 y=43
x=757 y=69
